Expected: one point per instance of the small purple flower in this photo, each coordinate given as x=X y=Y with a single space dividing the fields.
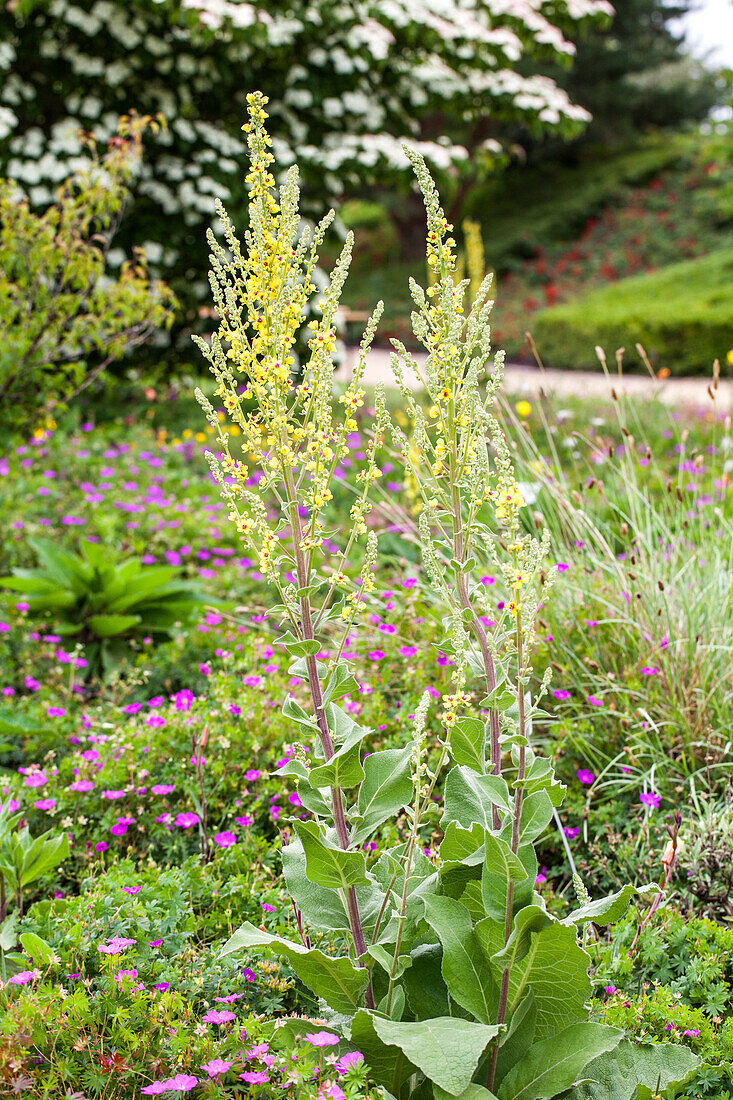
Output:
x=218 y=1016
x=186 y=820
x=586 y=777
x=648 y=798
x=225 y=839
x=321 y=1039
x=347 y=1061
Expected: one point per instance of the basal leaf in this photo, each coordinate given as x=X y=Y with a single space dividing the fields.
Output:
x=619 y=1073
x=388 y=1065
x=427 y=993
x=107 y=626
x=473 y=1092
x=446 y=1049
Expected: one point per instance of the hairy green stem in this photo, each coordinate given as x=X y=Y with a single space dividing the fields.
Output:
x=464 y=599
x=518 y=796
x=308 y=633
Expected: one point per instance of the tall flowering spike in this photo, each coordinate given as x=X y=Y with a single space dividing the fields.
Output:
x=289 y=429
x=294 y=432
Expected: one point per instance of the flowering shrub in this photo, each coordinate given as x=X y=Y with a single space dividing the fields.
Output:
x=351 y=82
x=62 y=318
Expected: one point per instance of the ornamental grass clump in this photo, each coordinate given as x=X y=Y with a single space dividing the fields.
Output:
x=455 y=980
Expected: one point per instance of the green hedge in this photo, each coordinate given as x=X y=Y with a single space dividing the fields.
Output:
x=683 y=316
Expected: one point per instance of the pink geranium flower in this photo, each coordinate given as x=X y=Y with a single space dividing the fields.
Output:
x=218 y=1016
x=225 y=840
x=216 y=1066
x=322 y=1039
x=24 y=976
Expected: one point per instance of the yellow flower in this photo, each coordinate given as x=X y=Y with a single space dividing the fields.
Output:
x=523 y=408
x=729 y=358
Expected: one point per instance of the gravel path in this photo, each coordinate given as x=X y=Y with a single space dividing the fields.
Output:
x=527 y=381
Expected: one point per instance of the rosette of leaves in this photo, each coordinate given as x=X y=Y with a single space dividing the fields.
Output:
x=104 y=602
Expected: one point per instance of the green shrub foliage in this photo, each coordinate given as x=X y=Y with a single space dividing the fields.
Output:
x=63 y=319
x=682 y=315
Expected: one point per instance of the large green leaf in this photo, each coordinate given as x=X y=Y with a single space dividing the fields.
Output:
x=556 y=969
x=427 y=993
x=473 y=1092
x=40 y=855
x=336 y=980
x=607 y=910
x=388 y=1065
x=324 y=908
x=63 y=567
x=535 y=817
x=467 y=740
x=447 y=1049
x=326 y=863
x=617 y=1074
x=470 y=798
x=461 y=846
x=387 y=789
x=423 y=881
x=145 y=586
x=466 y=972
x=500 y=866
x=514 y=1044
x=556 y=1064
x=530 y=919
x=107 y=626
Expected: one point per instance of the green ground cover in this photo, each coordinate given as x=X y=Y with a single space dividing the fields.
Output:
x=640 y=696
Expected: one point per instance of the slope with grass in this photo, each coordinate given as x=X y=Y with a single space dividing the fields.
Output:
x=682 y=315
x=553 y=234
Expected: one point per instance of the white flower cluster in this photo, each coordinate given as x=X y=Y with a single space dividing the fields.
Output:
x=348 y=84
